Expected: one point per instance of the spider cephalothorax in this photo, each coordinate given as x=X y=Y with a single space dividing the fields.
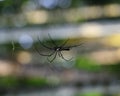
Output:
x=56 y=49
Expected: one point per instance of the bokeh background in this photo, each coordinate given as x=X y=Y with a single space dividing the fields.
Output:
x=95 y=66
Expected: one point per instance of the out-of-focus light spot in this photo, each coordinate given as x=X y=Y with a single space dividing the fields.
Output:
x=37 y=17
x=104 y=57
x=112 y=10
x=64 y=3
x=72 y=15
x=82 y=13
x=94 y=12
x=91 y=30
x=118 y=54
x=24 y=57
x=113 y=40
x=25 y=41
x=50 y=4
x=5 y=68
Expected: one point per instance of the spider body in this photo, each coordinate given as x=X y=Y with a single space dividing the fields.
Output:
x=61 y=49
x=57 y=50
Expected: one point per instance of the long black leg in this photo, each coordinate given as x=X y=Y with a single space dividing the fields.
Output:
x=74 y=46
x=52 y=58
x=47 y=54
x=53 y=42
x=64 y=43
x=44 y=44
x=61 y=55
x=43 y=54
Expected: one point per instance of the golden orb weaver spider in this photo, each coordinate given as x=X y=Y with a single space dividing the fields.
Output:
x=57 y=49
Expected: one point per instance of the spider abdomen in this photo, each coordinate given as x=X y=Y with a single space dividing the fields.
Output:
x=65 y=49
x=61 y=49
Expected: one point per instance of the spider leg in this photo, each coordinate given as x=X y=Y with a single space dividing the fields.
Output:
x=74 y=45
x=44 y=54
x=44 y=44
x=52 y=58
x=64 y=43
x=61 y=55
x=53 y=42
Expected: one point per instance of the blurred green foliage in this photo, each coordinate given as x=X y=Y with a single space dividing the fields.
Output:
x=8 y=50
x=84 y=63
x=11 y=6
x=113 y=68
x=8 y=82
x=18 y=82
x=87 y=64
x=35 y=82
x=90 y=94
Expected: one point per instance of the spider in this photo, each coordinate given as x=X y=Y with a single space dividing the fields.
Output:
x=57 y=49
